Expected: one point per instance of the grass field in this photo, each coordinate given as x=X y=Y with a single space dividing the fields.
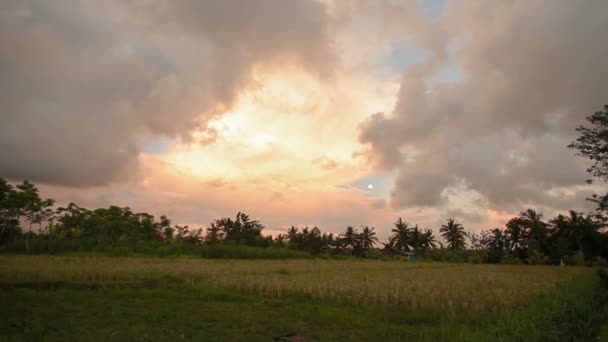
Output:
x=69 y=297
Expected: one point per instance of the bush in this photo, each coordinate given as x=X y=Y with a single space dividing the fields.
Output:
x=154 y=248
x=576 y=259
x=572 y=312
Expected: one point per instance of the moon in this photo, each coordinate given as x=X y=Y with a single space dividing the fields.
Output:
x=370 y=186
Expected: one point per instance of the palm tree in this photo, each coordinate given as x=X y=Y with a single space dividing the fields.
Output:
x=292 y=233
x=368 y=239
x=389 y=246
x=427 y=240
x=350 y=238
x=400 y=239
x=575 y=227
x=454 y=234
x=416 y=238
x=537 y=229
x=280 y=240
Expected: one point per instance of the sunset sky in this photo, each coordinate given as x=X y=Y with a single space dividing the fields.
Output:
x=326 y=113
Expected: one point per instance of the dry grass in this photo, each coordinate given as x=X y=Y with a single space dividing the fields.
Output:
x=454 y=287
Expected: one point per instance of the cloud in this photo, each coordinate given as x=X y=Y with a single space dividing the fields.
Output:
x=532 y=71
x=164 y=190
x=83 y=83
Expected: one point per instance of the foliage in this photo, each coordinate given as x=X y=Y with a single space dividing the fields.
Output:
x=592 y=143
x=31 y=224
x=453 y=232
x=572 y=312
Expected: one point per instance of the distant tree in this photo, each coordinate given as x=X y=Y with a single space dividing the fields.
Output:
x=164 y=225
x=492 y=242
x=241 y=230
x=280 y=240
x=389 y=247
x=537 y=229
x=592 y=143
x=328 y=242
x=516 y=236
x=350 y=239
x=400 y=240
x=294 y=238
x=415 y=238
x=214 y=235
x=526 y=233
x=427 y=241
x=368 y=239
x=454 y=234
x=70 y=222
x=577 y=228
x=9 y=224
x=29 y=206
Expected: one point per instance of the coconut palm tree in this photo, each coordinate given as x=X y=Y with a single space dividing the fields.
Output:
x=575 y=228
x=416 y=238
x=389 y=246
x=454 y=234
x=350 y=238
x=427 y=240
x=537 y=229
x=401 y=238
x=368 y=239
x=292 y=233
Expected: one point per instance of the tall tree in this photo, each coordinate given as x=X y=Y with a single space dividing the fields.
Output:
x=592 y=143
x=427 y=241
x=577 y=228
x=401 y=237
x=350 y=239
x=368 y=239
x=416 y=238
x=9 y=224
x=454 y=234
x=241 y=230
x=537 y=229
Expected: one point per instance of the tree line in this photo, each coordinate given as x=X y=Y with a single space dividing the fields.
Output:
x=573 y=237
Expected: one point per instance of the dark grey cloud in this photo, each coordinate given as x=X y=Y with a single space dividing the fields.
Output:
x=532 y=71
x=84 y=83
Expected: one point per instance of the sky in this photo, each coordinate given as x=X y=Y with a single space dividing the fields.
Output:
x=322 y=113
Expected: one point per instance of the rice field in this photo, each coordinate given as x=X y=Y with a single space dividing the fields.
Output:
x=415 y=285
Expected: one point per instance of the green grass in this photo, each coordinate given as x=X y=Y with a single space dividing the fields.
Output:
x=203 y=314
x=151 y=249
x=573 y=311
x=141 y=299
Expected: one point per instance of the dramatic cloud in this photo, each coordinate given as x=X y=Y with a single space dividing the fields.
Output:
x=86 y=84
x=202 y=108
x=532 y=71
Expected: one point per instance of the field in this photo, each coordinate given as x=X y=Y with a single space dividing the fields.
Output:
x=136 y=298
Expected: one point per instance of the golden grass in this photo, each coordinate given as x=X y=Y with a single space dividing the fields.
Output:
x=443 y=286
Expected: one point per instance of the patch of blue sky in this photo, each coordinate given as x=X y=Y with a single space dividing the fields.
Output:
x=433 y=8
x=155 y=146
x=381 y=184
x=449 y=73
x=398 y=57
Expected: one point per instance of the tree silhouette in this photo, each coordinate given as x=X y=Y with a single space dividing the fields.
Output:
x=427 y=241
x=368 y=239
x=401 y=237
x=592 y=143
x=241 y=230
x=350 y=239
x=454 y=234
x=575 y=228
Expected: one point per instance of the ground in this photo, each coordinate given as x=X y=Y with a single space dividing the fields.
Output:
x=144 y=299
